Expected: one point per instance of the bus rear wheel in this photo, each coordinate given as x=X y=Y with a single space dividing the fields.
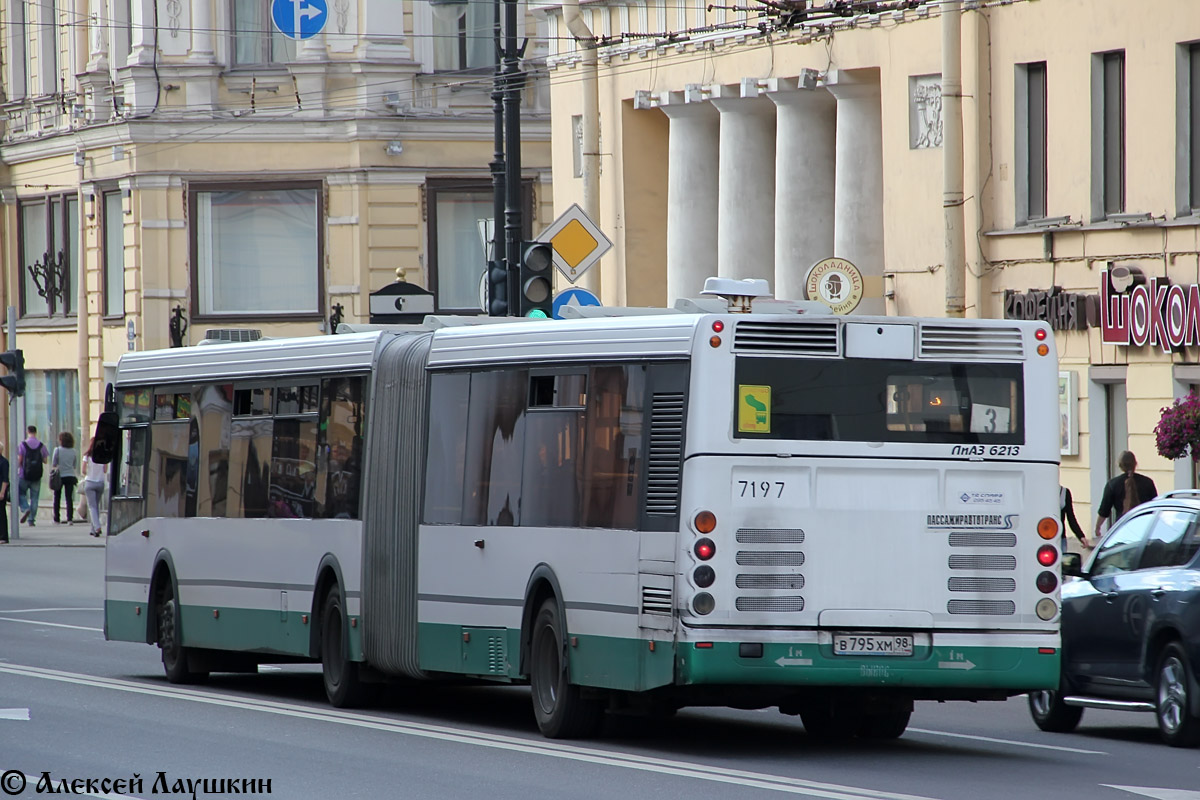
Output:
x=887 y=725
x=562 y=712
x=342 y=684
x=174 y=654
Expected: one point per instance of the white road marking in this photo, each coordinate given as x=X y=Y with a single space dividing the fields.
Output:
x=549 y=749
x=1158 y=794
x=1012 y=742
x=14 y=713
x=52 y=624
x=39 y=610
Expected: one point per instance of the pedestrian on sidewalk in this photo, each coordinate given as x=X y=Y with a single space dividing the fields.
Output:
x=1067 y=513
x=93 y=487
x=64 y=462
x=31 y=459
x=3 y=497
x=1124 y=493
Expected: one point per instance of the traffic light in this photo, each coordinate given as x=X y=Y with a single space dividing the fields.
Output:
x=14 y=381
x=497 y=289
x=537 y=261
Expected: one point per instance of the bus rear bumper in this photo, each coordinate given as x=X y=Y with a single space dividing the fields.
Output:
x=1012 y=669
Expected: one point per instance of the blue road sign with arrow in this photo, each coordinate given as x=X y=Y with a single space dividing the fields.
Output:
x=573 y=297
x=299 y=19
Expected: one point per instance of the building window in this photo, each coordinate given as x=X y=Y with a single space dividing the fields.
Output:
x=458 y=214
x=257 y=251
x=48 y=47
x=1031 y=141
x=255 y=40
x=18 y=60
x=464 y=35
x=1188 y=122
x=49 y=231
x=114 y=255
x=52 y=403
x=1108 y=134
x=122 y=32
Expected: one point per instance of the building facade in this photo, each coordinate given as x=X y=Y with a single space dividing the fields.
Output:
x=172 y=167
x=755 y=144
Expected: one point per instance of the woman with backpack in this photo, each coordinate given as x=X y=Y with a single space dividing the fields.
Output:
x=31 y=459
x=64 y=474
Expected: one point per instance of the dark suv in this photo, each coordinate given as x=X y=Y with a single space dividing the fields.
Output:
x=1131 y=623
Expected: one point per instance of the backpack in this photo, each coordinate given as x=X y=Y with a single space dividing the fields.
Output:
x=32 y=469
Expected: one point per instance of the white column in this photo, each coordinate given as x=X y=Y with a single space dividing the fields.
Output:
x=746 y=206
x=692 y=187
x=141 y=14
x=382 y=29
x=858 y=213
x=804 y=182
x=202 y=31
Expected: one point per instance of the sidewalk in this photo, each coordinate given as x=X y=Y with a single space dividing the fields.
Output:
x=48 y=533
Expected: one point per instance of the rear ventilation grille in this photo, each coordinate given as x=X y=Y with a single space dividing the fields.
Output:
x=971 y=342
x=799 y=337
x=982 y=539
x=656 y=601
x=958 y=584
x=496 y=656
x=769 y=603
x=996 y=608
x=666 y=455
x=792 y=582
x=232 y=335
x=770 y=536
x=983 y=562
x=751 y=558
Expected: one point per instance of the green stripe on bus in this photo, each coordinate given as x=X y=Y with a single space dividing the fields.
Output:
x=1021 y=668
x=234 y=629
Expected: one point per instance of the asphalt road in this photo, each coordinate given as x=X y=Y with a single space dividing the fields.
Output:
x=79 y=708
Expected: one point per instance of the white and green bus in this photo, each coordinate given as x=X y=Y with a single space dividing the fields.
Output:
x=837 y=516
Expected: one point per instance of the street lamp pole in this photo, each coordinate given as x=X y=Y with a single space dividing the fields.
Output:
x=513 y=82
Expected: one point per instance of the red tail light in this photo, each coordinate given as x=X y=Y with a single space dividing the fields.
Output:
x=1047 y=555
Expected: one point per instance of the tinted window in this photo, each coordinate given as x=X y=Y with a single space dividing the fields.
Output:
x=132 y=474
x=878 y=400
x=249 y=467
x=293 y=468
x=167 y=474
x=613 y=460
x=214 y=408
x=495 y=448
x=553 y=470
x=1121 y=549
x=449 y=395
x=343 y=419
x=1165 y=546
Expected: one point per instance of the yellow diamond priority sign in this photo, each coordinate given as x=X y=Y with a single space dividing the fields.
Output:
x=576 y=241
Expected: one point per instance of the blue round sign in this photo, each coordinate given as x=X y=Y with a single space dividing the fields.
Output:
x=299 y=19
x=573 y=297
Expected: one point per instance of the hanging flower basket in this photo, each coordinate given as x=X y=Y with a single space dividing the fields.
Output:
x=1177 y=433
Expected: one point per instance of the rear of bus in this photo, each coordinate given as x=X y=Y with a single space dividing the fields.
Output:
x=869 y=504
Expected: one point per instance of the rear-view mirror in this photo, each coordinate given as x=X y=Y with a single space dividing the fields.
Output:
x=107 y=439
x=1072 y=565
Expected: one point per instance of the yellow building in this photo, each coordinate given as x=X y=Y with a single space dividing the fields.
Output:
x=186 y=164
x=756 y=143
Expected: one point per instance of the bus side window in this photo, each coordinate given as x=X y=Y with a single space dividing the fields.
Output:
x=495 y=448
x=339 y=468
x=213 y=412
x=447 y=452
x=613 y=458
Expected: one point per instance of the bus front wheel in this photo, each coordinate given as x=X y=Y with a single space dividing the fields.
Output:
x=340 y=674
x=561 y=710
x=174 y=654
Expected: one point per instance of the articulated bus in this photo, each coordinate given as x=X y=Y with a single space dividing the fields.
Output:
x=835 y=516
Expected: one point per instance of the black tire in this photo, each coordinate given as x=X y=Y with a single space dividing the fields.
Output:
x=827 y=720
x=1177 y=725
x=561 y=710
x=174 y=654
x=888 y=725
x=1051 y=714
x=343 y=686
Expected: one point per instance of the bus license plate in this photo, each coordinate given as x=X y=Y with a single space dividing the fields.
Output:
x=857 y=644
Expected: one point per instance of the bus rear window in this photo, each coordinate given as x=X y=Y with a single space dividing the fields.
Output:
x=878 y=400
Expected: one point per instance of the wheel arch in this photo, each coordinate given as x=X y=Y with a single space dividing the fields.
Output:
x=329 y=574
x=543 y=584
x=1156 y=643
x=162 y=573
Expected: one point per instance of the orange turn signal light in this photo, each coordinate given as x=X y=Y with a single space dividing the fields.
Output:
x=1047 y=527
x=706 y=522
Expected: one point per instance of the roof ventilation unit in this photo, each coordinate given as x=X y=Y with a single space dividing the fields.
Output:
x=215 y=335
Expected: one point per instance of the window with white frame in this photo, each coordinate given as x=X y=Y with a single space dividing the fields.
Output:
x=257 y=250
x=1031 y=141
x=17 y=34
x=464 y=35
x=48 y=47
x=49 y=246
x=255 y=40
